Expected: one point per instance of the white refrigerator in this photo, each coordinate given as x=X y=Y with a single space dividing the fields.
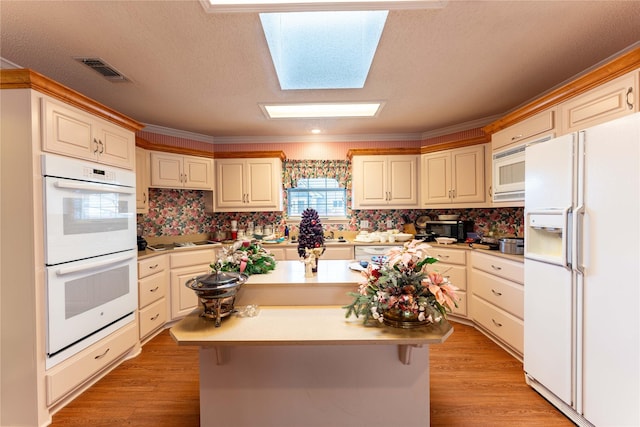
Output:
x=582 y=274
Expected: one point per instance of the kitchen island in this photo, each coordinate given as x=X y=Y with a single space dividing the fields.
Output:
x=306 y=364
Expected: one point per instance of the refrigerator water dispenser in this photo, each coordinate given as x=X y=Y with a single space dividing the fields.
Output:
x=546 y=234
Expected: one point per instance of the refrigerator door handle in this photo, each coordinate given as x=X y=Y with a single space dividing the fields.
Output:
x=577 y=246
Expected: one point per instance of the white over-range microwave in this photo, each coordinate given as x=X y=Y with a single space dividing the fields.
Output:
x=508 y=172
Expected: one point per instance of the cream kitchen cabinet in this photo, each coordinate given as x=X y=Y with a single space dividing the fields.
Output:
x=497 y=299
x=452 y=264
x=537 y=126
x=89 y=364
x=31 y=393
x=606 y=102
x=183 y=172
x=185 y=265
x=153 y=280
x=69 y=131
x=385 y=181
x=142 y=180
x=248 y=185
x=453 y=176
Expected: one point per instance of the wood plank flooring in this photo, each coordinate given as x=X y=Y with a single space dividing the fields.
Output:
x=473 y=383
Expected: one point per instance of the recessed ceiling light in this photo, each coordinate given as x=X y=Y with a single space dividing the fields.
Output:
x=321 y=110
x=225 y=6
x=316 y=131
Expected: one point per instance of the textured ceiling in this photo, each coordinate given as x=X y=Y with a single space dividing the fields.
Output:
x=207 y=74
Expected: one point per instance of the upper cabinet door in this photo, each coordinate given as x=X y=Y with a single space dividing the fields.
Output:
x=403 y=180
x=609 y=101
x=71 y=132
x=198 y=172
x=116 y=146
x=230 y=191
x=454 y=176
x=166 y=170
x=142 y=180
x=468 y=174
x=369 y=181
x=264 y=183
x=248 y=185
x=436 y=177
x=385 y=182
x=183 y=172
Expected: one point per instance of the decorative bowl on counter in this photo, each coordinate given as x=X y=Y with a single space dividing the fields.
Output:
x=217 y=292
x=446 y=240
x=402 y=237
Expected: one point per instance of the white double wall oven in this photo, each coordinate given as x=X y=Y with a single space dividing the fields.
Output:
x=90 y=253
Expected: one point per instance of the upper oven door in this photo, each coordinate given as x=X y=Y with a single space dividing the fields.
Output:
x=86 y=219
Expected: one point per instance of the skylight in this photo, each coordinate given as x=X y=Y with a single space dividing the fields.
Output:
x=323 y=50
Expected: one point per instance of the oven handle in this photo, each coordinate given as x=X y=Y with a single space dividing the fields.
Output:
x=93 y=187
x=69 y=270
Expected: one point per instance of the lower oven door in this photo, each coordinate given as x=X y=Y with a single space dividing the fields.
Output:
x=86 y=296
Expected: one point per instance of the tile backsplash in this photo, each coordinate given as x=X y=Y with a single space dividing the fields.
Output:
x=179 y=212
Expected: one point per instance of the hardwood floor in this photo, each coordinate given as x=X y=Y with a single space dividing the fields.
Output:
x=473 y=383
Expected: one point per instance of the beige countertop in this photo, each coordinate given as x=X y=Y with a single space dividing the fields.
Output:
x=461 y=246
x=307 y=325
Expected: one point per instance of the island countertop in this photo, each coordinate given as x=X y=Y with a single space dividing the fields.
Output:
x=300 y=325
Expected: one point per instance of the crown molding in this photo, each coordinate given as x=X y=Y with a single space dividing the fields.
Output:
x=319 y=138
x=461 y=127
x=160 y=130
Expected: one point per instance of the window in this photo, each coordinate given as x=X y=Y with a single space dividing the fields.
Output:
x=322 y=194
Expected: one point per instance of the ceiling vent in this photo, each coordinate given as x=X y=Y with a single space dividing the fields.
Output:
x=106 y=70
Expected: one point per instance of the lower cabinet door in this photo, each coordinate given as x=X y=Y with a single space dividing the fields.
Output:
x=503 y=325
x=153 y=317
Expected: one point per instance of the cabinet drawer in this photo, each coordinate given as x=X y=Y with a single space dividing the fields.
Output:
x=461 y=309
x=449 y=256
x=508 y=269
x=502 y=293
x=543 y=122
x=500 y=323
x=188 y=258
x=70 y=374
x=457 y=274
x=153 y=317
x=152 y=288
x=149 y=266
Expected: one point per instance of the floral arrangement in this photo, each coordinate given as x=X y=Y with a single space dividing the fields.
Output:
x=402 y=291
x=245 y=257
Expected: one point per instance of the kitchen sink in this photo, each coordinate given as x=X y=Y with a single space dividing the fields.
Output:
x=335 y=241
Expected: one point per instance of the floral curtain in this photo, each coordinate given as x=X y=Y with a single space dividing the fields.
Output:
x=296 y=169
